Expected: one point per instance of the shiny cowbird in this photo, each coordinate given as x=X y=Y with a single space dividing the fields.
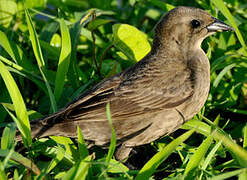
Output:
x=152 y=98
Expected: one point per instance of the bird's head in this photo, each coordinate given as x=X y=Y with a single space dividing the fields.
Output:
x=185 y=27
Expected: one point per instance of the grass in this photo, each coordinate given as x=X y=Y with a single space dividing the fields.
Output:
x=50 y=52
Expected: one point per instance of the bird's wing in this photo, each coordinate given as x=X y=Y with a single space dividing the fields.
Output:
x=158 y=89
x=151 y=90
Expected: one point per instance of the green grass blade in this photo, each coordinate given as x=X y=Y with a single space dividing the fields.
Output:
x=20 y=159
x=239 y=153
x=19 y=68
x=228 y=175
x=195 y=160
x=222 y=73
x=16 y=53
x=113 y=137
x=225 y=11
x=35 y=41
x=161 y=156
x=8 y=137
x=243 y=175
x=83 y=151
x=59 y=156
x=4 y=42
x=20 y=107
x=79 y=171
x=245 y=136
x=211 y=155
x=64 y=60
x=200 y=127
x=66 y=142
x=197 y=157
x=39 y=58
x=16 y=175
x=3 y=175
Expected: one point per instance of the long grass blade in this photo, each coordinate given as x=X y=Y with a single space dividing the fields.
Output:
x=3 y=175
x=39 y=57
x=64 y=60
x=83 y=151
x=149 y=168
x=197 y=157
x=113 y=137
x=80 y=170
x=20 y=159
x=22 y=120
x=228 y=175
x=240 y=154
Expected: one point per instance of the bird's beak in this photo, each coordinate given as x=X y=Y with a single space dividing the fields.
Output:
x=218 y=26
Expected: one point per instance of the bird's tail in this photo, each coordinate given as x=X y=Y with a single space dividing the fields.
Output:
x=39 y=127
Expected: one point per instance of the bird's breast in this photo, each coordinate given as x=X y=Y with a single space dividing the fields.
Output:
x=201 y=84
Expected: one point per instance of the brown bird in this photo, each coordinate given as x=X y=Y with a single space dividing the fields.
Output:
x=152 y=98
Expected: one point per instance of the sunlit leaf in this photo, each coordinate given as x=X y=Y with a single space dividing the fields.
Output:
x=7 y=10
x=132 y=42
x=22 y=120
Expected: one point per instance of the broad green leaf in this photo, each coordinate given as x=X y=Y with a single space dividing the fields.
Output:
x=113 y=136
x=149 y=168
x=8 y=9
x=20 y=108
x=64 y=61
x=132 y=42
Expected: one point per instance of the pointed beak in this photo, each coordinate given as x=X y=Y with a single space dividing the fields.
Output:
x=218 y=26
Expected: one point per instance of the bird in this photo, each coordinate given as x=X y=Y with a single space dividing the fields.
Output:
x=150 y=99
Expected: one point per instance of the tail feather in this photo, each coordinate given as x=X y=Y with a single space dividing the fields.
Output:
x=39 y=126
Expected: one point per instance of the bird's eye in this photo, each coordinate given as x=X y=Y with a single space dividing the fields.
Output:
x=195 y=23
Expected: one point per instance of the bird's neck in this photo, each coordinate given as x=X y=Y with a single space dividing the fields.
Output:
x=170 y=48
